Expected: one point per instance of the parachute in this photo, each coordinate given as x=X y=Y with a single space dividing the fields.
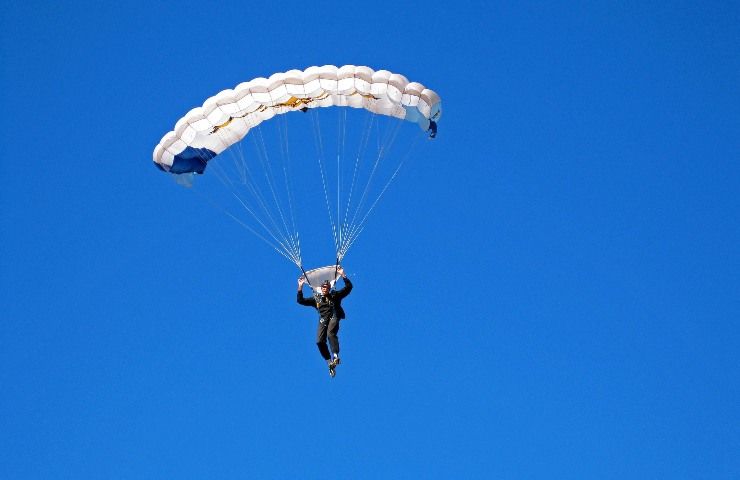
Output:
x=263 y=185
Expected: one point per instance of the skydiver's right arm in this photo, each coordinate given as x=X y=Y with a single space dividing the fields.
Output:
x=309 y=302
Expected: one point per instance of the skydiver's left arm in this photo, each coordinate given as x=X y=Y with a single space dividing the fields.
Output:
x=347 y=284
x=309 y=302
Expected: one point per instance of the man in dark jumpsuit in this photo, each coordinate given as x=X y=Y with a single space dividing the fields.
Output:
x=329 y=306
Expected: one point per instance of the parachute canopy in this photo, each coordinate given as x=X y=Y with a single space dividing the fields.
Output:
x=275 y=192
x=227 y=117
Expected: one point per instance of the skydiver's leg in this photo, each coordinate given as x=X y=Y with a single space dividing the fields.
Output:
x=321 y=340
x=333 y=330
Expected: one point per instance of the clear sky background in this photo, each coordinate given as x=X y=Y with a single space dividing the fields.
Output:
x=550 y=291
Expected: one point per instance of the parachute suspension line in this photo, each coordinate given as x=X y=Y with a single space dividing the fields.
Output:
x=360 y=152
x=363 y=222
x=270 y=181
x=377 y=137
x=283 y=130
x=225 y=179
x=285 y=252
x=240 y=222
x=361 y=226
x=258 y=142
x=285 y=156
x=263 y=156
x=341 y=136
x=389 y=138
x=246 y=176
x=237 y=159
x=319 y=141
x=246 y=179
x=253 y=189
x=287 y=249
x=305 y=275
x=239 y=154
x=320 y=154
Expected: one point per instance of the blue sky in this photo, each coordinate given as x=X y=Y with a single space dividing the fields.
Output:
x=550 y=290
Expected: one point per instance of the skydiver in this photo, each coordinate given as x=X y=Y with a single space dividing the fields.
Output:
x=432 y=129
x=329 y=305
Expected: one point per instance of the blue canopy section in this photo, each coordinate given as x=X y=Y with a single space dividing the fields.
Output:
x=191 y=160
